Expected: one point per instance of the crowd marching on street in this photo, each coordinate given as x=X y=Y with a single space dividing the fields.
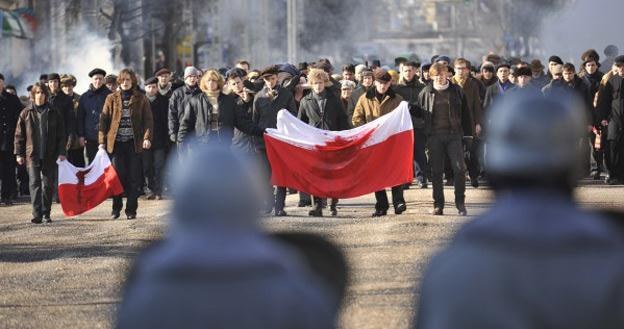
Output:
x=142 y=124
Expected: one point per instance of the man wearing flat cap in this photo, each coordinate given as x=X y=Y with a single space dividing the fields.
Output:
x=376 y=102
x=164 y=82
x=267 y=103
x=89 y=109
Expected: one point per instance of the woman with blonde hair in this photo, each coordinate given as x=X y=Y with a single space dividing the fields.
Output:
x=212 y=115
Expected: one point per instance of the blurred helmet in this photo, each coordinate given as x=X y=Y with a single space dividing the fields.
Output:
x=535 y=138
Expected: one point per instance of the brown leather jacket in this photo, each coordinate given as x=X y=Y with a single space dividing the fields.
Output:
x=142 y=122
x=368 y=108
x=26 y=142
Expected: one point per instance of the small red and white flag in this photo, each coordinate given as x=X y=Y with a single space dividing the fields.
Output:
x=342 y=164
x=82 y=189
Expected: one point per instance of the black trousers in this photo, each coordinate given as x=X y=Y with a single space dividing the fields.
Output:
x=76 y=157
x=92 y=149
x=615 y=158
x=472 y=157
x=598 y=155
x=441 y=146
x=278 y=199
x=153 y=165
x=7 y=175
x=127 y=163
x=23 y=186
x=382 y=198
x=42 y=177
x=420 y=155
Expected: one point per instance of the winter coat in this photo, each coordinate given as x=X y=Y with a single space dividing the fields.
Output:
x=410 y=91
x=331 y=117
x=611 y=107
x=74 y=143
x=561 y=88
x=141 y=115
x=26 y=143
x=460 y=118
x=266 y=107
x=473 y=99
x=369 y=108
x=541 y=82
x=492 y=93
x=65 y=105
x=534 y=260
x=197 y=119
x=10 y=108
x=89 y=109
x=241 y=140
x=160 y=107
x=177 y=104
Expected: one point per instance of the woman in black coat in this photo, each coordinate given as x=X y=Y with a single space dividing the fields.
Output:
x=322 y=109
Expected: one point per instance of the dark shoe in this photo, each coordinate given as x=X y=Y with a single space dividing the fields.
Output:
x=380 y=213
x=151 y=196
x=400 y=209
x=474 y=183
x=115 y=214
x=8 y=202
x=437 y=212
x=316 y=212
x=406 y=186
x=597 y=176
x=158 y=197
x=280 y=213
x=333 y=210
x=461 y=210
x=611 y=181
x=302 y=203
x=449 y=182
x=422 y=185
x=36 y=220
x=131 y=216
x=47 y=219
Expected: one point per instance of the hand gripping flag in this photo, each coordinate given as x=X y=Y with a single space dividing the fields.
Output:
x=342 y=164
x=82 y=189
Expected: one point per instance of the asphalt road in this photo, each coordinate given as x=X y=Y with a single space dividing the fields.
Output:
x=69 y=274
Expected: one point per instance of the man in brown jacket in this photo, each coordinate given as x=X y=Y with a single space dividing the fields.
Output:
x=373 y=104
x=470 y=87
x=125 y=129
x=39 y=142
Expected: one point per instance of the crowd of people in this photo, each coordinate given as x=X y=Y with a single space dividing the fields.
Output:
x=141 y=125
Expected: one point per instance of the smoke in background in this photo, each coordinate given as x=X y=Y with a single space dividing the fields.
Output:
x=583 y=25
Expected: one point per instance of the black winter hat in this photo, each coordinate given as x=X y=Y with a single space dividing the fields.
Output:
x=523 y=71
x=151 y=81
x=555 y=59
x=43 y=77
x=619 y=60
x=54 y=76
x=501 y=65
x=1 y=77
x=97 y=71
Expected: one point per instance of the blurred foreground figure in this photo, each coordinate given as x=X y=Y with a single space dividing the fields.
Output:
x=215 y=269
x=534 y=260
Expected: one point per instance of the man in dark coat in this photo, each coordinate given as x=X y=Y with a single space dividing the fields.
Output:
x=322 y=109
x=89 y=109
x=444 y=109
x=154 y=158
x=591 y=78
x=180 y=98
x=611 y=114
x=501 y=86
x=535 y=260
x=10 y=108
x=39 y=142
x=244 y=100
x=409 y=87
x=267 y=103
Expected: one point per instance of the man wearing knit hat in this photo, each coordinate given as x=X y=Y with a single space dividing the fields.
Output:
x=154 y=158
x=591 y=77
x=89 y=108
x=179 y=99
x=378 y=101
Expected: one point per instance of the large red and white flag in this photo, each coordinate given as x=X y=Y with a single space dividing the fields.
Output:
x=82 y=189
x=342 y=164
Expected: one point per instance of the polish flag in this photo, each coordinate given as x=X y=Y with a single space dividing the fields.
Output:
x=82 y=189
x=342 y=164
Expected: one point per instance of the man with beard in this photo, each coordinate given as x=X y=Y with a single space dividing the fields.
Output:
x=267 y=103
x=409 y=88
x=378 y=101
x=611 y=114
x=89 y=109
x=470 y=88
x=10 y=108
x=179 y=99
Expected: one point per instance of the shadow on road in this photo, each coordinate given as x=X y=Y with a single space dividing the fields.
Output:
x=24 y=253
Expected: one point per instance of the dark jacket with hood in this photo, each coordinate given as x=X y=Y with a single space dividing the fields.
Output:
x=89 y=109
x=459 y=116
x=10 y=108
x=198 y=117
x=331 y=117
x=177 y=104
